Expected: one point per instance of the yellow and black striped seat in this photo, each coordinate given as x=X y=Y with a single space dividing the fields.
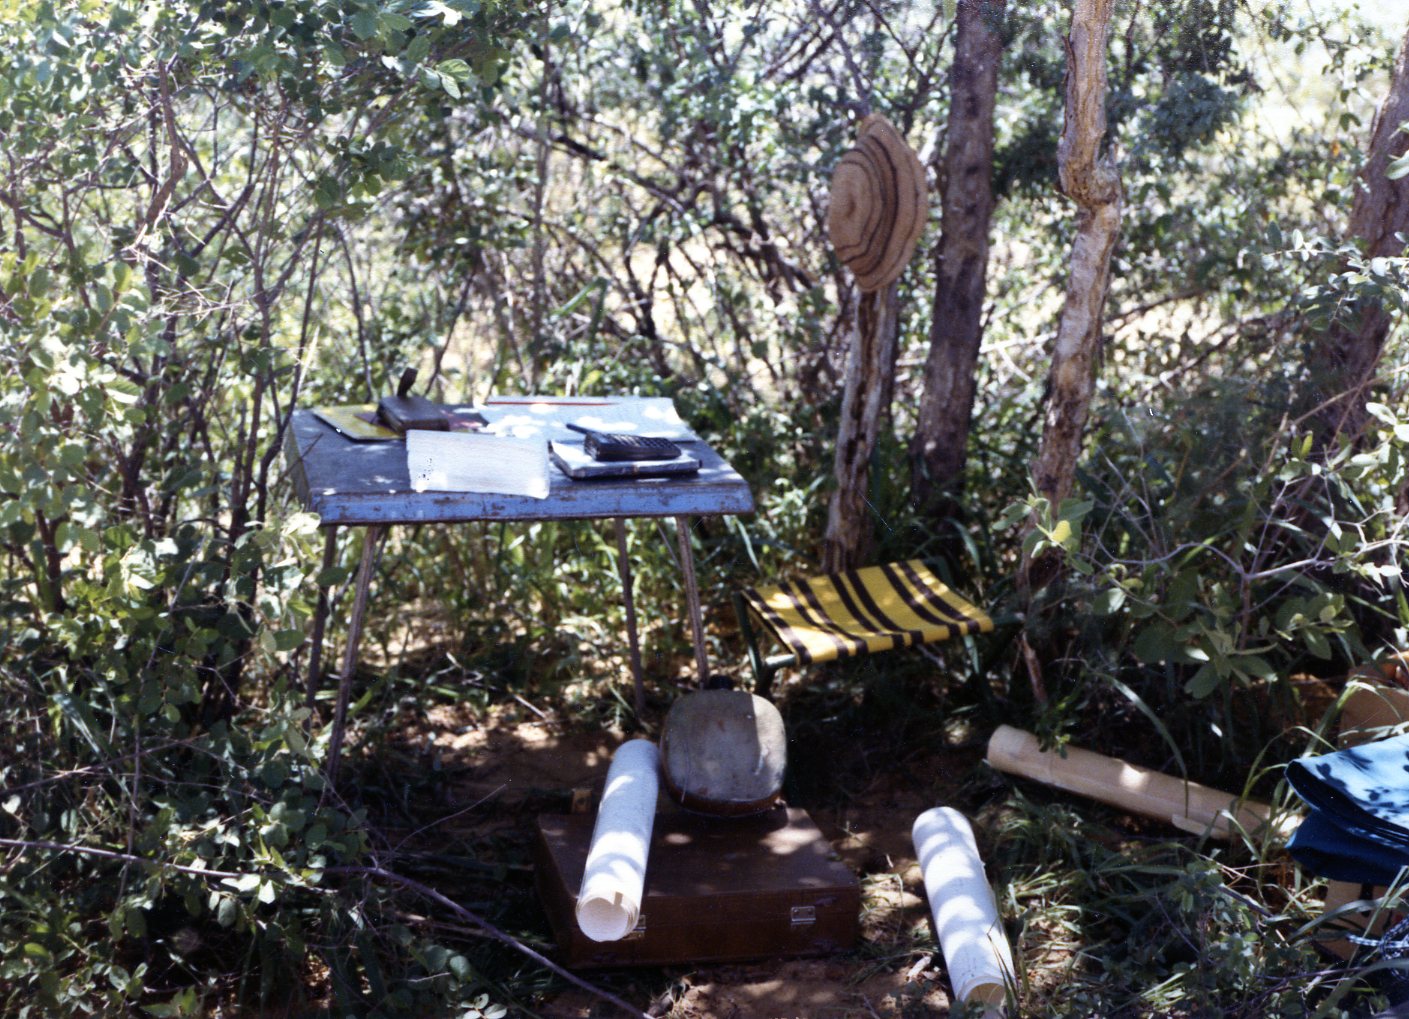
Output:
x=857 y=612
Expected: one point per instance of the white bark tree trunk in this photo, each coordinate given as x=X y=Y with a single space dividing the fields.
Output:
x=870 y=380
x=1088 y=177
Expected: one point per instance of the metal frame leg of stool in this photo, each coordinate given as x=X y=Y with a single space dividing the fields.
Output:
x=633 y=639
x=692 y=596
x=354 y=638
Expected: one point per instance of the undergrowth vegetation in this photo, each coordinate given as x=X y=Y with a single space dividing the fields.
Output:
x=214 y=212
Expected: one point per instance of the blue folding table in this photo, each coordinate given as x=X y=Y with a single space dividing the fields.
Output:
x=366 y=484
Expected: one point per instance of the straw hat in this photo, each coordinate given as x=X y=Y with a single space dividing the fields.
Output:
x=878 y=204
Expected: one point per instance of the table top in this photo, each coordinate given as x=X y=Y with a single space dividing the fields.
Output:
x=362 y=483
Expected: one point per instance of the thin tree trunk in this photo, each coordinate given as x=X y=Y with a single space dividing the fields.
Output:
x=1343 y=362
x=540 y=190
x=1088 y=177
x=870 y=380
x=939 y=447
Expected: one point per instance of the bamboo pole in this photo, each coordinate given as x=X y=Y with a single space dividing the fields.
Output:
x=1186 y=805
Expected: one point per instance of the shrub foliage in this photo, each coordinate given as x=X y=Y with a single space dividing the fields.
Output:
x=214 y=212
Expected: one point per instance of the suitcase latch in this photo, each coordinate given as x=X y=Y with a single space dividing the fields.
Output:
x=804 y=915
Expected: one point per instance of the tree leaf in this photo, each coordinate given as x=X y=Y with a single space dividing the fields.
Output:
x=364 y=24
x=1153 y=645
x=455 y=68
x=418 y=49
x=1202 y=683
x=1316 y=643
x=1108 y=602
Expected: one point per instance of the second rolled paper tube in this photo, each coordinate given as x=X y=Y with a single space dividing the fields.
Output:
x=976 y=952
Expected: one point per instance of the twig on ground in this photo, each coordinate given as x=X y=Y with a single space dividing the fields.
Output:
x=450 y=816
x=109 y=854
x=507 y=939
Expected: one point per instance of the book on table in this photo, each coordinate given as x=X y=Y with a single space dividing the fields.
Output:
x=573 y=460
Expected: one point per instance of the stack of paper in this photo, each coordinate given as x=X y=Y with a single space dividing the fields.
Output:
x=525 y=417
x=466 y=462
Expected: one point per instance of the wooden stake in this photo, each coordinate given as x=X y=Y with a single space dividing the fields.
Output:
x=870 y=378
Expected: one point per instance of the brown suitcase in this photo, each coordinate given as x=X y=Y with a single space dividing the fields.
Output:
x=716 y=890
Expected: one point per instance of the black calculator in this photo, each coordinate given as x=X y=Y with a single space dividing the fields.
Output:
x=610 y=447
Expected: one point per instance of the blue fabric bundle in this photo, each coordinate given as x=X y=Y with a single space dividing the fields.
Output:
x=1358 y=826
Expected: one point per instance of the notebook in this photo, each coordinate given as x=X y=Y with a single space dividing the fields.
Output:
x=469 y=462
x=575 y=462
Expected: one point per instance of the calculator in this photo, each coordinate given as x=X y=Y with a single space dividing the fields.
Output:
x=609 y=447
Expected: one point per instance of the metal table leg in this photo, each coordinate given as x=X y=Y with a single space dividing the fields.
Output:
x=320 y=619
x=354 y=638
x=692 y=596
x=623 y=569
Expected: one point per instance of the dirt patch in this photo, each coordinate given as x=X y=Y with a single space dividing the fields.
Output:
x=794 y=989
x=813 y=989
x=510 y=757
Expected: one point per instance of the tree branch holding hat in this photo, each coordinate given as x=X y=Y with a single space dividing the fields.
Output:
x=877 y=213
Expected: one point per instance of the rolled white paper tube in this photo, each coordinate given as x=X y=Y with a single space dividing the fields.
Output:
x=613 y=881
x=976 y=951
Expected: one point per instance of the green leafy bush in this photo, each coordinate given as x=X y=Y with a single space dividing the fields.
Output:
x=169 y=824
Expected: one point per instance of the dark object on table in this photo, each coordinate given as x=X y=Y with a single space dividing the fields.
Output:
x=761 y=887
x=723 y=753
x=610 y=447
x=404 y=412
